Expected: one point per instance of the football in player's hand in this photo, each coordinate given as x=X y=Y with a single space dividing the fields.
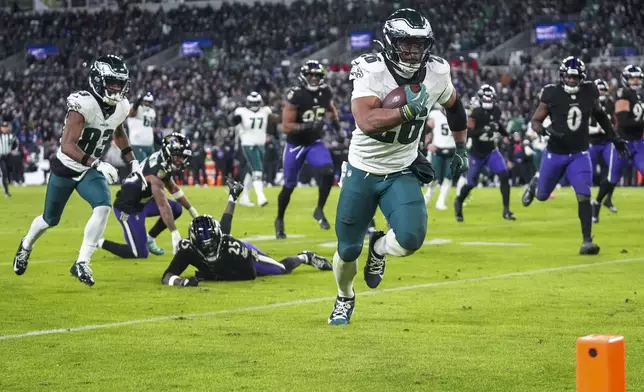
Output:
x=397 y=98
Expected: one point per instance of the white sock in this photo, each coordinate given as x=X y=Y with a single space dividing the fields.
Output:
x=248 y=183
x=460 y=184
x=94 y=231
x=38 y=228
x=344 y=273
x=388 y=245
x=430 y=190
x=442 y=196
x=258 y=184
x=150 y=238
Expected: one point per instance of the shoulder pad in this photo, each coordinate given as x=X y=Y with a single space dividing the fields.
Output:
x=292 y=93
x=81 y=102
x=237 y=111
x=438 y=65
x=368 y=63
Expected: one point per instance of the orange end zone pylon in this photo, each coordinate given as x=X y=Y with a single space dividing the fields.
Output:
x=601 y=364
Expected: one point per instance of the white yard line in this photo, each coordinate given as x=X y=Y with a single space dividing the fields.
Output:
x=312 y=300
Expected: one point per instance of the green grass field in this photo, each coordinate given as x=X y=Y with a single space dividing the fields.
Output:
x=487 y=305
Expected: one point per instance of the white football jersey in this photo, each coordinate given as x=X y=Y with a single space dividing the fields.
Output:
x=396 y=149
x=141 y=127
x=97 y=131
x=252 y=129
x=441 y=134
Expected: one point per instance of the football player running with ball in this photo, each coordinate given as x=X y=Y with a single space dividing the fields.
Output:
x=218 y=256
x=93 y=117
x=570 y=104
x=385 y=168
x=142 y=195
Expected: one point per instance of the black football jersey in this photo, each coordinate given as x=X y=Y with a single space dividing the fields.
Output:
x=483 y=144
x=133 y=193
x=311 y=106
x=636 y=101
x=570 y=115
x=597 y=135
x=235 y=262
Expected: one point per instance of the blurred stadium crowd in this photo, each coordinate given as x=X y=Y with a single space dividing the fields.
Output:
x=196 y=95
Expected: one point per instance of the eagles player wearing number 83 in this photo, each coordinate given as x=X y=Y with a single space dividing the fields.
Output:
x=570 y=104
x=385 y=168
x=93 y=117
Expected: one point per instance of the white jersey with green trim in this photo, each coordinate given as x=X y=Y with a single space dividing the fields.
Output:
x=393 y=150
x=97 y=131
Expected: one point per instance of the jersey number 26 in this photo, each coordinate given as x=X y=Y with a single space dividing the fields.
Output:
x=408 y=133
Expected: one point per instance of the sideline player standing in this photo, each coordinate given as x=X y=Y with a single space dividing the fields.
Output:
x=442 y=149
x=141 y=126
x=385 y=168
x=570 y=104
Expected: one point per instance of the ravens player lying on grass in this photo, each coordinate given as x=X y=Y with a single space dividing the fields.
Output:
x=142 y=195
x=218 y=256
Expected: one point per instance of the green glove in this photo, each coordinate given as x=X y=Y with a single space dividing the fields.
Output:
x=459 y=162
x=416 y=102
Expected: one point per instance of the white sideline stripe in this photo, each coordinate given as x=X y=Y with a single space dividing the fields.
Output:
x=494 y=244
x=311 y=300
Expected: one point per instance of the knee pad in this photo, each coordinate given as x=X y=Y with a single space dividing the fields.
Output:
x=404 y=243
x=349 y=252
x=102 y=211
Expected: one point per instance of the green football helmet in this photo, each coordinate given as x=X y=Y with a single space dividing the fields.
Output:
x=109 y=79
x=409 y=40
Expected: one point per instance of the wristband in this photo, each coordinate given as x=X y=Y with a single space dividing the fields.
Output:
x=126 y=150
x=178 y=194
x=85 y=158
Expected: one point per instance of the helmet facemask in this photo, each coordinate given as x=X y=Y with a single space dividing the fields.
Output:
x=206 y=236
x=312 y=75
x=632 y=77
x=408 y=41
x=487 y=96
x=254 y=102
x=108 y=84
x=571 y=73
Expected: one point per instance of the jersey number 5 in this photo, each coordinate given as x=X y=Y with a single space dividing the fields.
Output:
x=316 y=115
x=93 y=141
x=445 y=130
x=408 y=133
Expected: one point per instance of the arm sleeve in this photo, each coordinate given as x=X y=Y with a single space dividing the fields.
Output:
x=226 y=223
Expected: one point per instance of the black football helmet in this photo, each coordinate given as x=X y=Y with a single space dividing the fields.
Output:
x=109 y=79
x=176 y=152
x=254 y=101
x=602 y=87
x=487 y=96
x=206 y=237
x=632 y=77
x=312 y=75
x=571 y=73
x=409 y=40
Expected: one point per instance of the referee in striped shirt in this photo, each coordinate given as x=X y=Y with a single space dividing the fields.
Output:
x=8 y=143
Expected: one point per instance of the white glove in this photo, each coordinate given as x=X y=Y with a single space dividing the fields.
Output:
x=193 y=212
x=176 y=238
x=109 y=171
x=135 y=166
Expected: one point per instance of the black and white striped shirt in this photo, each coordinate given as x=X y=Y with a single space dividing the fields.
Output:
x=8 y=143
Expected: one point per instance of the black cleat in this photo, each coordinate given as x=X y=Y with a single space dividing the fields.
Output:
x=81 y=270
x=342 y=311
x=589 y=248
x=21 y=259
x=508 y=215
x=528 y=194
x=279 y=229
x=374 y=269
x=318 y=215
x=317 y=261
x=458 y=209
x=234 y=188
x=609 y=204
x=596 y=207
